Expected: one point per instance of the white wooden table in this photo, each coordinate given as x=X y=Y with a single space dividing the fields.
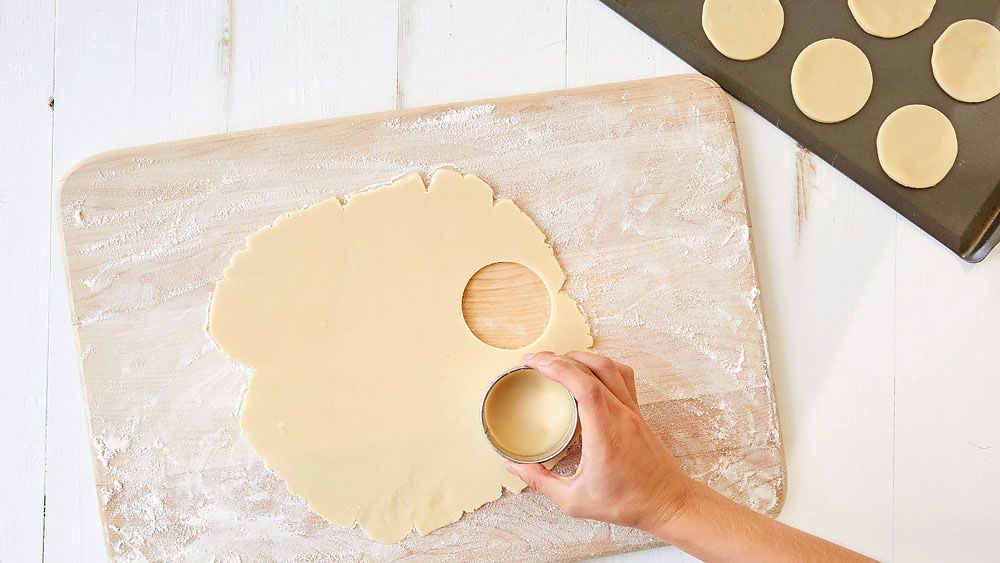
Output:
x=883 y=343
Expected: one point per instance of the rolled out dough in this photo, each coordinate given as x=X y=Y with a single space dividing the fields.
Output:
x=966 y=61
x=831 y=80
x=890 y=18
x=367 y=383
x=528 y=414
x=917 y=146
x=743 y=29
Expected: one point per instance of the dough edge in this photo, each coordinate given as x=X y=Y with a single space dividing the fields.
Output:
x=901 y=172
x=943 y=59
x=878 y=29
x=724 y=41
x=814 y=52
x=554 y=285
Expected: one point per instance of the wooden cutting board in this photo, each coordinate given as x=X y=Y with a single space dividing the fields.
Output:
x=638 y=186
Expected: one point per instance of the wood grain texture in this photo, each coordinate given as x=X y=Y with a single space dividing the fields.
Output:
x=829 y=295
x=506 y=305
x=832 y=371
x=638 y=187
x=137 y=71
x=602 y=47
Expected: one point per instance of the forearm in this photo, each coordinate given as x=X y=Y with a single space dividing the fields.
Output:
x=628 y=476
x=713 y=528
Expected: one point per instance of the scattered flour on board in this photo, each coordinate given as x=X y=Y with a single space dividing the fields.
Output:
x=176 y=478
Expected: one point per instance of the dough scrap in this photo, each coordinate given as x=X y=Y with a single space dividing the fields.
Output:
x=890 y=18
x=367 y=383
x=743 y=29
x=917 y=146
x=966 y=61
x=831 y=80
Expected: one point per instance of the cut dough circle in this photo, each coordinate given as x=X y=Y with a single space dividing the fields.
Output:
x=917 y=146
x=743 y=29
x=529 y=415
x=966 y=61
x=890 y=18
x=831 y=80
x=367 y=387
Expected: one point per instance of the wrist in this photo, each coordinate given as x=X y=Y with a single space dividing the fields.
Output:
x=702 y=509
x=672 y=509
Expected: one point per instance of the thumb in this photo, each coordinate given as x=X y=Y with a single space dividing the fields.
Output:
x=539 y=478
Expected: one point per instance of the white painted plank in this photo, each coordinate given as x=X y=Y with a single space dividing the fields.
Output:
x=26 y=32
x=301 y=61
x=450 y=51
x=825 y=249
x=947 y=383
x=830 y=394
x=605 y=47
x=127 y=73
x=825 y=254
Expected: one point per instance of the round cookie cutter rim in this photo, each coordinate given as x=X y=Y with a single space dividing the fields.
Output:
x=549 y=455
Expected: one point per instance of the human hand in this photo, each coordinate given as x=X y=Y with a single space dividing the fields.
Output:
x=626 y=474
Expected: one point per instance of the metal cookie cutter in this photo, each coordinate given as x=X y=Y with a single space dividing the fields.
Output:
x=547 y=455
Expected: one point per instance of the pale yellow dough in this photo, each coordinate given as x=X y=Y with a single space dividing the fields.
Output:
x=528 y=414
x=890 y=18
x=966 y=61
x=831 y=80
x=917 y=146
x=367 y=383
x=742 y=29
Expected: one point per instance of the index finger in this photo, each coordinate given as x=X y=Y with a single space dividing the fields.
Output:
x=618 y=377
x=590 y=394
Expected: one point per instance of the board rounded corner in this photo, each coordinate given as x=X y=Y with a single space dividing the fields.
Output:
x=79 y=169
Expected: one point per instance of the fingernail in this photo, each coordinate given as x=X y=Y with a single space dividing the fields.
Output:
x=512 y=467
x=528 y=357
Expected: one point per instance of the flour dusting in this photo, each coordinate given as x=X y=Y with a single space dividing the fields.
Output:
x=641 y=196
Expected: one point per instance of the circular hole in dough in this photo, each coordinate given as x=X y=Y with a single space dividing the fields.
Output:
x=506 y=306
x=831 y=80
x=917 y=146
x=966 y=61
x=742 y=29
x=890 y=18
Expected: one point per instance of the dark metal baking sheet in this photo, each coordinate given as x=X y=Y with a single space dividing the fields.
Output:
x=963 y=211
